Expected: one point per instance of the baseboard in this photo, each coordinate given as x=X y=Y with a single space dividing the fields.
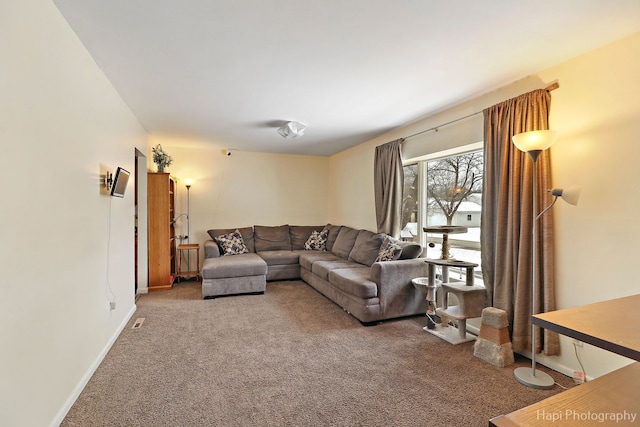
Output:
x=548 y=362
x=87 y=376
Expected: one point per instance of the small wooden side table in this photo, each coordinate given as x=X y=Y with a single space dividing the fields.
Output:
x=190 y=273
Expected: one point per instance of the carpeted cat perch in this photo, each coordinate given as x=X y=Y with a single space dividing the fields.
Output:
x=493 y=344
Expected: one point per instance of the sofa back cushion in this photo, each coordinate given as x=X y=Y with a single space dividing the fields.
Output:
x=272 y=238
x=245 y=232
x=410 y=250
x=300 y=234
x=366 y=249
x=345 y=241
x=333 y=235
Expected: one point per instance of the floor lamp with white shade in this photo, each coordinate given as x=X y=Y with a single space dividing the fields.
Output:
x=534 y=143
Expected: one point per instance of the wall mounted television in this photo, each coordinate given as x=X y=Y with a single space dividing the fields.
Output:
x=120 y=180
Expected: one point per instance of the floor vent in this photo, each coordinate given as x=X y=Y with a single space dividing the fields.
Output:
x=138 y=323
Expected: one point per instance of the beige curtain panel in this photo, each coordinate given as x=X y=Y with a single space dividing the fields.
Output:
x=507 y=219
x=388 y=186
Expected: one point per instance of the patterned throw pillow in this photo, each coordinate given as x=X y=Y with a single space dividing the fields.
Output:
x=389 y=250
x=317 y=241
x=232 y=243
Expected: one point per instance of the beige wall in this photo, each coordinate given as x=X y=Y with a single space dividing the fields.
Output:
x=245 y=188
x=61 y=126
x=596 y=112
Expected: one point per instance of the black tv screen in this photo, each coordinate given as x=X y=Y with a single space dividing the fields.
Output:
x=120 y=179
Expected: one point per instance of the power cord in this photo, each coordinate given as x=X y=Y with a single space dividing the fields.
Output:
x=575 y=349
x=110 y=295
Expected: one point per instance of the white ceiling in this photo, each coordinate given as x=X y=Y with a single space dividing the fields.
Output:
x=229 y=72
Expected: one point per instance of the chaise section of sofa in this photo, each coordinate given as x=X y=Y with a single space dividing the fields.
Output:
x=348 y=271
x=241 y=274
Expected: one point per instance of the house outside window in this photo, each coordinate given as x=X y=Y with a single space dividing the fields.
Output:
x=445 y=189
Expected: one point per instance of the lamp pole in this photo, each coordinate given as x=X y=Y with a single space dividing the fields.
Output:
x=188 y=217
x=534 y=143
x=526 y=376
x=188 y=185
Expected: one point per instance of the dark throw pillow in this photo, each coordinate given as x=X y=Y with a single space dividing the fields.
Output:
x=232 y=243
x=389 y=250
x=317 y=241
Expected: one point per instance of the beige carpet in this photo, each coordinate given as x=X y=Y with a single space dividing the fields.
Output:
x=289 y=357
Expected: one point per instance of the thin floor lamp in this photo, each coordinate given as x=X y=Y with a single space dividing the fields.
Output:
x=188 y=185
x=534 y=143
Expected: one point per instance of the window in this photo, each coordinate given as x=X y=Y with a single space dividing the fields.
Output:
x=410 y=203
x=445 y=190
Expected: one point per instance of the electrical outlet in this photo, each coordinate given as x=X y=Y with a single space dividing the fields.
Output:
x=112 y=305
x=578 y=343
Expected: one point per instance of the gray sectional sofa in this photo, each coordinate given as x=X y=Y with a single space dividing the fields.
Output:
x=345 y=270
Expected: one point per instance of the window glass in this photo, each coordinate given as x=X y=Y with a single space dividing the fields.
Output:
x=452 y=195
x=410 y=204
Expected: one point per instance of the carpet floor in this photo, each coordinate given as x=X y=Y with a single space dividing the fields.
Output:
x=289 y=357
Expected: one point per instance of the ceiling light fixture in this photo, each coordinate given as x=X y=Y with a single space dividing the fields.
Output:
x=291 y=130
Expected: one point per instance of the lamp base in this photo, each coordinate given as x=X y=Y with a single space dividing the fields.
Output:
x=541 y=380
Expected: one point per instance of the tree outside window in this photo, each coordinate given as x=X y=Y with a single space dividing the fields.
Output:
x=451 y=182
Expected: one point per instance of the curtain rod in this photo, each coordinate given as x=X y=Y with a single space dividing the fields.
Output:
x=549 y=88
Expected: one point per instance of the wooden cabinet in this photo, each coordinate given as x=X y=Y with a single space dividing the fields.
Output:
x=162 y=249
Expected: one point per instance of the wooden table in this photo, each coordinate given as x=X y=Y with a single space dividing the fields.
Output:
x=190 y=273
x=614 y=393
x=611 y=325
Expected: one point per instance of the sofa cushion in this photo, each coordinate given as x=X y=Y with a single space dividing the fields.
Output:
x=333 y=234
x=247 y=264
x=323 y=268
x=366 y=248
x=246 y=232
x=279 y=257
x=354 y=281
x=317 y=241
x=300 y=234
x=307 y=258
x=272 y=238
x=345 y=241
x=390 y=250
x=231 y=244
x=410 y=250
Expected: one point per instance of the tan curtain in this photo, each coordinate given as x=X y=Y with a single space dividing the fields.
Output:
x=507 y=219
x=388 y=187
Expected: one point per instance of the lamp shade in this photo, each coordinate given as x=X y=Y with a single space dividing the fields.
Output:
x=537 y=140
x=570 y=195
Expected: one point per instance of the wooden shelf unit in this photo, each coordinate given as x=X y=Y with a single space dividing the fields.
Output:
x=161 y=212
